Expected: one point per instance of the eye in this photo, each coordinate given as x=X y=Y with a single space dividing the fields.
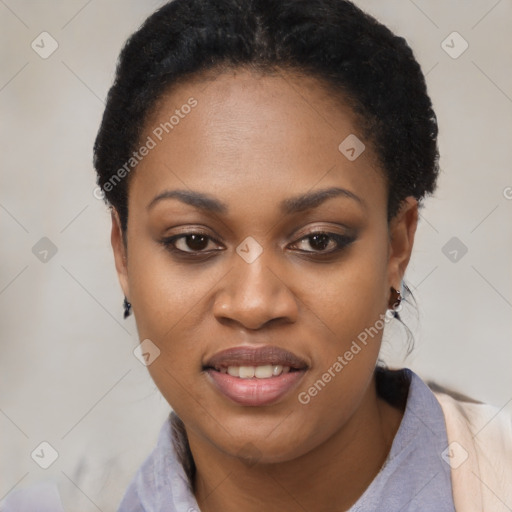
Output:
x=322 y=240
x=196 y=243
x=191 y=243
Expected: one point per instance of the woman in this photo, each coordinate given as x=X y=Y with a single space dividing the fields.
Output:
x=265 y=162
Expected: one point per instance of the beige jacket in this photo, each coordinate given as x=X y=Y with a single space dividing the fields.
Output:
x=479 y=453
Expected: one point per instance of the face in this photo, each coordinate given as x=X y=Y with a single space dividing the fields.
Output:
x=249 y=228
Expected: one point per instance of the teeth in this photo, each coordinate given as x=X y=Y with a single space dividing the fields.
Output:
x=234 y=371
x=263 y=372
x=260 y=372
x=246 y=372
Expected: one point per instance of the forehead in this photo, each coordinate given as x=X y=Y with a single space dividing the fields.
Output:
x=243 y=134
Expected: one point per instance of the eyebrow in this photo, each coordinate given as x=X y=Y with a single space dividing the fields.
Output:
x=290 y=205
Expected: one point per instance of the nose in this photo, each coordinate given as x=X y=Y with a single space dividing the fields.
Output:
x=255 y=294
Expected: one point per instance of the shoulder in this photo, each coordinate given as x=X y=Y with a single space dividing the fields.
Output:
x=483 y=420
x=479 y=452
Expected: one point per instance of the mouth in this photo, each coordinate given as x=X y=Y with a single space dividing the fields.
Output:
x=264 y=371
x=255 y=376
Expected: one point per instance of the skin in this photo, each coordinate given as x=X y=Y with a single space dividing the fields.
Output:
x=252 y=142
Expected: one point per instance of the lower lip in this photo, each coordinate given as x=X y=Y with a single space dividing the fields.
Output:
x=255 y=391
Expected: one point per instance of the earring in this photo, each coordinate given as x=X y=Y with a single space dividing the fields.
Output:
x=127 y=308
x=395 y=298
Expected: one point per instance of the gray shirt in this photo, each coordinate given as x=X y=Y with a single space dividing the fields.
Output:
x=414 y=476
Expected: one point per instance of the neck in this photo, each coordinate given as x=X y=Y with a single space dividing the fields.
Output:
x=337 y=471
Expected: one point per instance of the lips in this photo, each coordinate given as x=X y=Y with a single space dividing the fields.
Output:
x=227 y=372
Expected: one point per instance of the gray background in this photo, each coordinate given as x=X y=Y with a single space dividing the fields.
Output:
x=68 y=373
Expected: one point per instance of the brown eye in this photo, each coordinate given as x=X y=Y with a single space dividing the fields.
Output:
x=191 y=243
x=195 y=242
x=321 y=241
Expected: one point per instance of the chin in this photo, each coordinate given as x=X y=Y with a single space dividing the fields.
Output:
x=259 y=449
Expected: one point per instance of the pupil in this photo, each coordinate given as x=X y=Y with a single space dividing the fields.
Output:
x=320 y=241
x=197 y=242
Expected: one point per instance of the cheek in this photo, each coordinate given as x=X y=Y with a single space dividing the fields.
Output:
x=349 y=296
x=166 y=294
x=168 y=300
x=352 y=309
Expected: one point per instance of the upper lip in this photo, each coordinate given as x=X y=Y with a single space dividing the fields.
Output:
x=250 y=356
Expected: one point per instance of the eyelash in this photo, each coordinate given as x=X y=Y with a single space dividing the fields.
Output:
x=342 y=241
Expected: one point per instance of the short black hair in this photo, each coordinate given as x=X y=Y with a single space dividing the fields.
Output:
x=332 y=40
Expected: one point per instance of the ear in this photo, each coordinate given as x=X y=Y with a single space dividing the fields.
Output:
x=120 y=256
x=402 y=229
